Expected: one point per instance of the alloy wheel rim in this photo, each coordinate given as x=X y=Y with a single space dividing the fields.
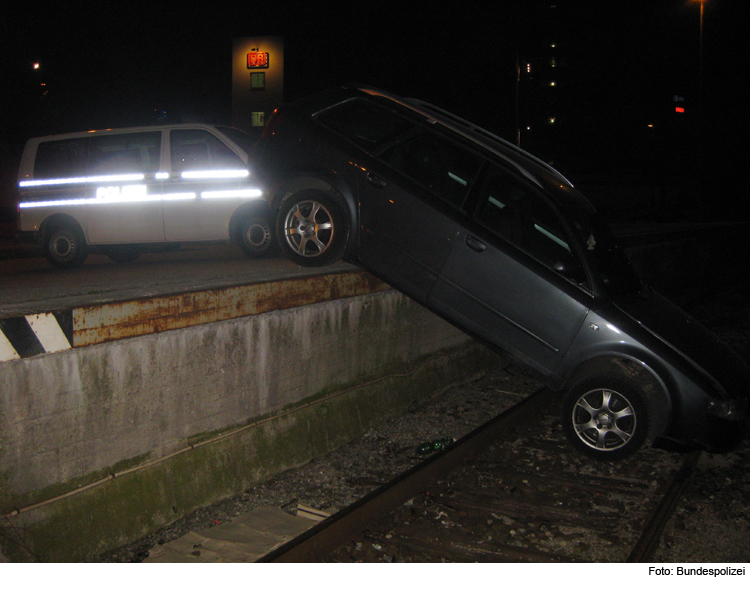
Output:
x=604 y=419
x=309 y=228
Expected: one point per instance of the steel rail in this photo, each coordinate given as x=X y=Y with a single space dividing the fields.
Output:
x=649 y=541
x=325 y=537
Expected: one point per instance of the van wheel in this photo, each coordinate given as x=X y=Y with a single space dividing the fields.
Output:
x=311 y=229
x=605 y=417
x=123 y=254
x=255 y=236
x=64 y=245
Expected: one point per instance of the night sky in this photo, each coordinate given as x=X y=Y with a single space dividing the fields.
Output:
x=114 y=64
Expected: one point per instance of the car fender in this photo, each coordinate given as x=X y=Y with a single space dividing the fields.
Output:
x=681 y=390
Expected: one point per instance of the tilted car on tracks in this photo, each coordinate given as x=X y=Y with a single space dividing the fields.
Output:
x=503 y=246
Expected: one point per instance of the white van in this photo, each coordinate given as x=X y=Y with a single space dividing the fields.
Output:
x=123 y=191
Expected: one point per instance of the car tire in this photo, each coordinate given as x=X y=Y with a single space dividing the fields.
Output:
x=605 y=417
x=255 y=236
x=123 y=254
x=65 y=246
x=311 y=229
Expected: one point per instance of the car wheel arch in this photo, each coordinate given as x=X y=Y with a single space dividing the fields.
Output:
x=644 y=374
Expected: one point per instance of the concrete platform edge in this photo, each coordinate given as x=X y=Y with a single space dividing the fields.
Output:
x=126 y=507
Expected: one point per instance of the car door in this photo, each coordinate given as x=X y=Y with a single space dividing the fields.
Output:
x=124 y=203
x=205 y=186
x=410 y=199
x=514 y=275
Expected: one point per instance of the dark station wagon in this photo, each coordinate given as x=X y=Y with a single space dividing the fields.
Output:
x=503 y=246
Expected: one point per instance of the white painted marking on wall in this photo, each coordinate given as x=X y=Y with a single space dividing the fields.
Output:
x=48 y=331
x=7 y=352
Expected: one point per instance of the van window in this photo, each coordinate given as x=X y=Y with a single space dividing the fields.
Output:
x=130 y=152
x=61 y=159
x=197 y=149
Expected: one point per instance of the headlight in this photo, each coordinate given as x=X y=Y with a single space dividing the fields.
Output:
x=731 y=410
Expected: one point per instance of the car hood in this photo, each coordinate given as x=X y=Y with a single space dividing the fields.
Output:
x=685 y=334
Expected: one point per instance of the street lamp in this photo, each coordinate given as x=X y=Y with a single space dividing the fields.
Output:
x=700 y=62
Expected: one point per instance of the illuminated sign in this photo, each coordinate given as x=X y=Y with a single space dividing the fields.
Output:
x=257 y=60
x=128 y=192
x=679 y=109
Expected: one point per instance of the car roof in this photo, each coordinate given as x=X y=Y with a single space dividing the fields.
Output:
x=467 y=129
x=117 y=130
x=533 y=168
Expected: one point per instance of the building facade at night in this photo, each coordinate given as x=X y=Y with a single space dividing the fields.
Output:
x=257 y=80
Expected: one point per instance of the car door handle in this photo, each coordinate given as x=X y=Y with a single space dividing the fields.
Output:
x=475 y=244
x=375 y=180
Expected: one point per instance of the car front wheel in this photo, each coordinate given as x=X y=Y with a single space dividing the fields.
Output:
x=311 y=229
x=605 y=417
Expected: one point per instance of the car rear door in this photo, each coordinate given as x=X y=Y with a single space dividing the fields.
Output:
x=514 y=275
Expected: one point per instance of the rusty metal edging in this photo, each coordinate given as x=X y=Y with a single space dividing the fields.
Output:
x=113 y=321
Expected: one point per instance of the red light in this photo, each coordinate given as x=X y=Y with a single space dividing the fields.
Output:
x=272 y=124
x=679 y=109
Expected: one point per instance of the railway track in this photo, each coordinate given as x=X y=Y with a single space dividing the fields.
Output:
x=510 y=491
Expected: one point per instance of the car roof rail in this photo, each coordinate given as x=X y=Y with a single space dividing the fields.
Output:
x=426 y=107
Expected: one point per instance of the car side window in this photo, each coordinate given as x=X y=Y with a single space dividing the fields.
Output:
x=197 y=149
x=366 y=124
x=518 y=214
x=439 y=165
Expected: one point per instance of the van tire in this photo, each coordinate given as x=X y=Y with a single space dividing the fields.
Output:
x=311 y=229
x=255 y=236
x=65 y=246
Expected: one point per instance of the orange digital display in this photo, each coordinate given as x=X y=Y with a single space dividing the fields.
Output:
x=257 y=59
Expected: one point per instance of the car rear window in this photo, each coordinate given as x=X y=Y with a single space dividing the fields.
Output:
x=367 y=125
